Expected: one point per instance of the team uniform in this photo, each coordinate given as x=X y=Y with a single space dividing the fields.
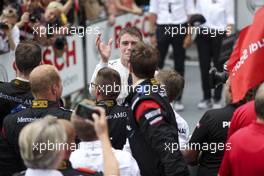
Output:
x=246 y=152
x=212 y=131
x=116 y=116
x=10 y=159
x=153 y=126
x=12 y=94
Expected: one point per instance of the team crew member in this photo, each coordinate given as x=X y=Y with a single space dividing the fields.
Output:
x=46 y=87
x=127 y=39
x=219 y=15
x=245 y=157
x=17 y=91
x=153 y=123
x=109 y=79
x=211 y=131
x=174 y=84
x=169 y=27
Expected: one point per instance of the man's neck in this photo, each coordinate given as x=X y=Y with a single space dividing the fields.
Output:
x=47 y=97
x=124 y=63
x=136 y=80
x=22 y=76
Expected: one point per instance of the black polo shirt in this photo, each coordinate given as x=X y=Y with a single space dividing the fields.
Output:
x=210 y=134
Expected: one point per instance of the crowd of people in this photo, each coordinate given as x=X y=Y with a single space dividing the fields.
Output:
x=23 y=20
x=131 y=125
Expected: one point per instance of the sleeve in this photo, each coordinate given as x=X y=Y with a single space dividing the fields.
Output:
x=97 y=68
x=153 y=6
x=189 y=6
x=183 y=129
x=225 y=168
x=229 y=7
x=161 y=136
x=201 y=130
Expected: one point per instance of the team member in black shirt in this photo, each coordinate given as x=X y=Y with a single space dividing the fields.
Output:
x=153 y=123
x=46 y=87
x=17 y=91
x=107 y=88
x=209 y=138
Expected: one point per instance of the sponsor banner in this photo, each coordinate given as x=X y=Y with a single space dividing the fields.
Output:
x=142 y=22
x=70 y=65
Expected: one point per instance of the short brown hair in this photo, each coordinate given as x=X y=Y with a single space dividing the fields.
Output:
x=27 y=56
x=131 y=31
x=108 y=77
x=173 y=82
x=144 y=60
x=42 y=78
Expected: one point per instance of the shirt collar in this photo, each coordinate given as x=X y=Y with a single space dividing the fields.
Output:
x=22 y=79
x=42 y=172
x=139 y=82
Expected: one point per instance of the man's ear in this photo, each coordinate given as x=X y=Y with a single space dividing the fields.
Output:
x=54 y=89
x=15 y=66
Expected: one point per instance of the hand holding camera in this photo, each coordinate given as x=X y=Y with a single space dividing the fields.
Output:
x=94 y=115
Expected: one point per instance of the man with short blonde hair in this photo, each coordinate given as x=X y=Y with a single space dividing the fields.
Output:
x=46 y=87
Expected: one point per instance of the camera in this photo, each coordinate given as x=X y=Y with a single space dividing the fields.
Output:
x=86 y=110
x=217 y=78
x=4 y=26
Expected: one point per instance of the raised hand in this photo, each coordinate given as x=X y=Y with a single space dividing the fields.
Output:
x=104 y=50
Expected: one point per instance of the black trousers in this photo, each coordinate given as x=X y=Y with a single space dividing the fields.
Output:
x=209 y=47
x=164 y=40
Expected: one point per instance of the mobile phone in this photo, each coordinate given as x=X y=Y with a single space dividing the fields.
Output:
x=85 y=111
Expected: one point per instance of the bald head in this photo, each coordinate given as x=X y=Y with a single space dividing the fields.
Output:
x=259 y=102
x=45 y=82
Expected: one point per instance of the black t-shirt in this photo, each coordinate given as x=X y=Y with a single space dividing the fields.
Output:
x=117 y=120
x=210 y=136
x=13 y=94
x=10 y=159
